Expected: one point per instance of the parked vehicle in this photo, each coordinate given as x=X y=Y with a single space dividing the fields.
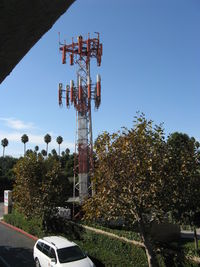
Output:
x=64 y=213
x=59 y=252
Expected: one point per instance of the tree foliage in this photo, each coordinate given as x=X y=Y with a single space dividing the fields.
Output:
x=139 y=177
x=6 y=173
x=54 y=153
x=40 y=186
x=36 y=149
x=4 y=143
x=130 y=177
x=47 y=140
x=24 y=140
x=185 y=164
x=59 y=140
x=44 y=152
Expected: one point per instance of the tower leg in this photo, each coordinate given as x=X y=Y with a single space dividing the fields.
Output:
x=83 y=155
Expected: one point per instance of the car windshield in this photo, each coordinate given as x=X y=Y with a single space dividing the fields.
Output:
x=70 y=254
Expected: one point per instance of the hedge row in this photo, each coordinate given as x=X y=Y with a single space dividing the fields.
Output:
x=33 y=226
x=112 y=252
x=120 y=232
x=106 y=251
x=103 y=250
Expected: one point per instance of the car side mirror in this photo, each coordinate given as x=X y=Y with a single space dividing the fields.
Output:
x=53 y=260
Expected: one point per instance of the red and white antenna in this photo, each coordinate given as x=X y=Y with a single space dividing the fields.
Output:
x=81 y=96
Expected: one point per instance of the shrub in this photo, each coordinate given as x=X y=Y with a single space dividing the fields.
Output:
x=102 y=249
x=32 y=226
x=120 y=232
x=112 y=252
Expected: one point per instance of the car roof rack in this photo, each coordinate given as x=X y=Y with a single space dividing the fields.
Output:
x=49 y=242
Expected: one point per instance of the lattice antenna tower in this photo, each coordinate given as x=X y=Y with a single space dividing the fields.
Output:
x=80 y=95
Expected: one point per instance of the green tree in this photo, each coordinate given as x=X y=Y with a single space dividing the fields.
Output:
x=40 y=186
x=44 y=152
x=36 y=149
x=54 y=153
x=24 y=140
x=67 y=163
x=4 y=143
x=29 y=151
x=7 y=177
x=55 y=189
x=29 y=171
x=59 y=140
x=130 y=178
x=185 y=165
x=47 y=140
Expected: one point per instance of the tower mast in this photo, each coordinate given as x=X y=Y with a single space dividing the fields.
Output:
x=81 y=96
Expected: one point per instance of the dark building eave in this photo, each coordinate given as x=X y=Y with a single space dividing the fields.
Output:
x=22 y=24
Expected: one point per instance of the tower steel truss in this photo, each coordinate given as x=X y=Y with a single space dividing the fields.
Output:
x=81 y=96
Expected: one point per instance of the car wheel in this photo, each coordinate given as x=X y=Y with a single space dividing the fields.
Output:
x=37 y=263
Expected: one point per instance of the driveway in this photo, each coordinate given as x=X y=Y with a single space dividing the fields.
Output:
x=16 y=249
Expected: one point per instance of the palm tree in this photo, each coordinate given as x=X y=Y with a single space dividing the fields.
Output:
x=53 y=152
x=43 y=152
x=47 y=140
x=4 y=143
x=59 y=140
x=36 y=148
x=67 y=151
x=24 y=140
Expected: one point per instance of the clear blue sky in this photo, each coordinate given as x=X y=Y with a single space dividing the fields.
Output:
x=151 y=63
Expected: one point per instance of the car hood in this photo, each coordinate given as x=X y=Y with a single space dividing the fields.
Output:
x=81 y=263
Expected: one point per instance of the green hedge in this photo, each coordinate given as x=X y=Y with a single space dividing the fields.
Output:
x=112 y=252
x=175 y=254
x=104 y=250
x=123 y=233
x=32 y=226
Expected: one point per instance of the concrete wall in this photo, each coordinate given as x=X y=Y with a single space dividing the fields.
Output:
x=165 y=232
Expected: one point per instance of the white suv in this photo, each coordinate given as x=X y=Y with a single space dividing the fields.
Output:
x=59 y=252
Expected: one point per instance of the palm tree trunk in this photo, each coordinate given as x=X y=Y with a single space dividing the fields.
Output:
x=3 y=151
x=47 y=149
x=24 y=149
x=59 y=149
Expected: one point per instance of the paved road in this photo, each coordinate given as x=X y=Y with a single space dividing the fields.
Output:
x=16 y=250
x=190 y=234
